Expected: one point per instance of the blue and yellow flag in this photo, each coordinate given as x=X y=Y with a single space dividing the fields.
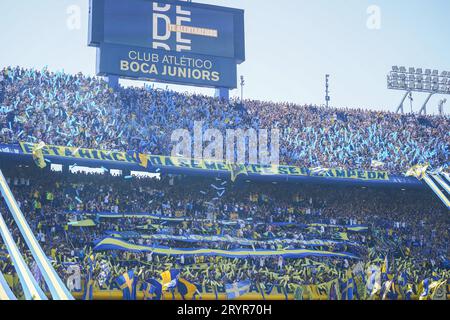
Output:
x=154 y=290
x=187 y=290
x=438 y=290
x=143 y=160
x=424 y=295
x=170 y=278
x=89 y=284
x=38 y=156
x=419 y=171
x=127 y=283
x=348 y=291
x=151 y=291
x=237 y=289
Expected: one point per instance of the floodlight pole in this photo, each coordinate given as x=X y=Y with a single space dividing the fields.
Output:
x=424 y=107
x=242 y=88
x=400 y=107
x=441 y=106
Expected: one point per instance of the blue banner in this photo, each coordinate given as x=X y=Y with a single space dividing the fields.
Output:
x=166 y=66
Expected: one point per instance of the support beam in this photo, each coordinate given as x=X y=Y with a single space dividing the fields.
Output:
x=31 y=289
x=5 y=291
x=400 y=107
x=54 y=282
x=424 y=107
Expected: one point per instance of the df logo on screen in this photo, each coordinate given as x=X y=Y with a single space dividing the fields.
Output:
x=164 y=28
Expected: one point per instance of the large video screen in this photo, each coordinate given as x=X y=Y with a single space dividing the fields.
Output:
x=191 y=27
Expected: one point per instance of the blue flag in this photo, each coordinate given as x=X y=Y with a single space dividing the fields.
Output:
x=170 y=278
x=89 y=285
x=155 y=289
x=127 y=283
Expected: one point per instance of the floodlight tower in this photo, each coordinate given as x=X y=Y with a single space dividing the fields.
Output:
x=416 y=80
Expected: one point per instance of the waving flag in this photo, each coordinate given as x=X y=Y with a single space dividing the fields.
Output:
x=143 y=160
x=237 y=289
x=348 y=291
x=38 y=156
x=152 y=290
x=170 y=278
x=425 y=290
x=418 y=171
x=377 y=164
x=438 y=290
x=127 y=283
x=187 y=290
x=89 y=285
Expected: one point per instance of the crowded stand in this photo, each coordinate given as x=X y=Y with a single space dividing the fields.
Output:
x=75 y=110
x=374 y=227
x=389 y=242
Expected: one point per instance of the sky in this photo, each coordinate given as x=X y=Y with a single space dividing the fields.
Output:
x=290 y=46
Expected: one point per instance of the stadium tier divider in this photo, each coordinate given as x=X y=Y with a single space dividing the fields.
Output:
x=31 y=289
x=57 y=288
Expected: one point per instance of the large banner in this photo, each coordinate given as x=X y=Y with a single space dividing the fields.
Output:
x=112 y=244
x=151 y=161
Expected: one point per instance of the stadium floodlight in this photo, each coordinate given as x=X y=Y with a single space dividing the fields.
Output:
x=411 y=79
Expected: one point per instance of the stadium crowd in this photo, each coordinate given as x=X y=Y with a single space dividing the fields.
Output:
x=410 y=229
x=80 y=111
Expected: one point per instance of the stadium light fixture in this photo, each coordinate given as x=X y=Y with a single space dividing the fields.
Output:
x=412 y=79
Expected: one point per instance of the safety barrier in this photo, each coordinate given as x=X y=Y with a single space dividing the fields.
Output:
x=31 y=289
x=55 y=284
x=5 y=291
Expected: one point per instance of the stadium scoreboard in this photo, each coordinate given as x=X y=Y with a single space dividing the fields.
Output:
x=168 y=41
